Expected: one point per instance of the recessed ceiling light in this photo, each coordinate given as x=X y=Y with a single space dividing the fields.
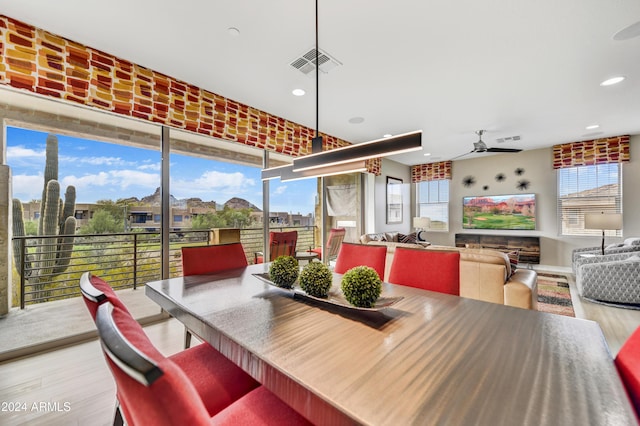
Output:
x=612 y=81
x=356 y=120
x=387 y=135
x=593 y=126
x=233 y=31
x=298 y=92
x=427 y=154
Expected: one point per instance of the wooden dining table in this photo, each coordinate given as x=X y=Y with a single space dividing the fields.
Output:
x=429 y=358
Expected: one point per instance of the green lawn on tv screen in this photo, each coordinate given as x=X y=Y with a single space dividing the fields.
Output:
x=498 y=221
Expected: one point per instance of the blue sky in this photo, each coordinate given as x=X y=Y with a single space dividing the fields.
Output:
x=109 y=171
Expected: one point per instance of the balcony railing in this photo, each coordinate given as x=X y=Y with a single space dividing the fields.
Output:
x=125 y=260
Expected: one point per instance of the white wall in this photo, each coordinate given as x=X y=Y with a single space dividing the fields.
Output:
x=537 y=164
x=399 y=171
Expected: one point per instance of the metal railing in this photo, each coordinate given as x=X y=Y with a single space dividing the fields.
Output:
x=124 y=260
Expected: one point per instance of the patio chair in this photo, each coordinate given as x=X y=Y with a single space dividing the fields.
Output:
x=336 y=236
x=217 y=380
x=427 y=269
x=154 y=390
x=628 y=365
x=280 y=244
x=201 y=260
x=352 y=255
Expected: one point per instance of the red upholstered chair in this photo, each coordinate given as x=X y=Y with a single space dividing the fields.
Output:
x=336 y=236
x=217 y=380
x=154 y=390
x=427 y=269
x=200 y=260
x=280 y=244
x=628 y=364
x=352 y=255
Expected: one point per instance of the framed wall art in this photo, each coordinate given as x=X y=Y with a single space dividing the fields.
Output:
x=394 y=200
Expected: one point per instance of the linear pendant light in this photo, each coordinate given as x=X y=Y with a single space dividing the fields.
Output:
x=286 y=173
x=405 y=142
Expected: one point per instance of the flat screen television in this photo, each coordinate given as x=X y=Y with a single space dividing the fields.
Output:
x=512 y=211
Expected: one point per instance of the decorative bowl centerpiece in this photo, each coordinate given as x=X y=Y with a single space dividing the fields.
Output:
x=316 y=279
x=361 y=286
x=284 y=271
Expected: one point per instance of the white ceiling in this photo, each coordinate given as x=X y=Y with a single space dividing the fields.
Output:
x=513 y=67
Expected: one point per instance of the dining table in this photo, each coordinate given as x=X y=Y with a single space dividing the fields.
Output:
x=420 y=358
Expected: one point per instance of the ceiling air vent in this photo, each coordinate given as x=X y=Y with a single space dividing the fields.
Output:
x=306 y=63
x=508 y=139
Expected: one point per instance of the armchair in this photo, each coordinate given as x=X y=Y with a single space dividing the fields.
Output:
x=612 y=278
x=280 y=244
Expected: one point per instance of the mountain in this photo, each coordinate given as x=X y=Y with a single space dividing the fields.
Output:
x=241 y=203
x=154 y=200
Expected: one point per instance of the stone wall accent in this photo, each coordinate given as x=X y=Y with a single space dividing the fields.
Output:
x=37 y=61
x=588 y=153
x=431 y=171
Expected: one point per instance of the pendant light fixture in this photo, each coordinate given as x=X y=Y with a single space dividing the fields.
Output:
x=347 y=159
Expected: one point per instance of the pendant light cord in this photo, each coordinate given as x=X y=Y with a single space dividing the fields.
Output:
x=317 y=78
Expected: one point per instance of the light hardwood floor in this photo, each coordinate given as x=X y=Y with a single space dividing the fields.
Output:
x=73 y=386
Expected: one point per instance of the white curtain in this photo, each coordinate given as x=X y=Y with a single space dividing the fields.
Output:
x=342 y=200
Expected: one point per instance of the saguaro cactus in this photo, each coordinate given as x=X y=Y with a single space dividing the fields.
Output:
x=56 y=218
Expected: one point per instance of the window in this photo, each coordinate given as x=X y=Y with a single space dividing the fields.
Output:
x=588 y=189
x=433 y=202
x=177 y=218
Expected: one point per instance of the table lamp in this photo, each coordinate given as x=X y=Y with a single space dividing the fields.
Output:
x=603 y=221
x=421 y=224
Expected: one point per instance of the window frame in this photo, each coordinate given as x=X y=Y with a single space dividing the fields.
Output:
x=440 y=200
x=591 y=181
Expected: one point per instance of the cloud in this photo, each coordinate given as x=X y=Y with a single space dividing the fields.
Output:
x=127 y=178
x=17 y=152
x=27 y=187
x=280 y=190
x=98 y=161
x=155 y=167
x=213 y=184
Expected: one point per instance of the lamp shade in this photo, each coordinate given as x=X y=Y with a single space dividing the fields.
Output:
x=603 y=221
x=422 y=222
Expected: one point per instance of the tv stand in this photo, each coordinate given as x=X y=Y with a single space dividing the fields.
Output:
x=529 y=246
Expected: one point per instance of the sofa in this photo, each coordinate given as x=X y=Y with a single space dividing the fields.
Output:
x=485 y=274
x=612 y=278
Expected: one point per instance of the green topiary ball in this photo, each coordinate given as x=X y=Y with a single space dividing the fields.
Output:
x=361 y=286
x=283 y=271
x=316 y=279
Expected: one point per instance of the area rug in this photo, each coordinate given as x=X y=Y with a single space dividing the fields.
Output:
x=553 y=294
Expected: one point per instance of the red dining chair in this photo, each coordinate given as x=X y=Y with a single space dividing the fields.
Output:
x=427 y=269
x=280 y=244
x=154 y=390
x=200 y=260
x=336 y=236
x=216 y=379
x=628 y=365
x=352 y=255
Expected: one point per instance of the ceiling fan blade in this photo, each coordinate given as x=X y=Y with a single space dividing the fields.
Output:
x=462 y=155
x=503 y=150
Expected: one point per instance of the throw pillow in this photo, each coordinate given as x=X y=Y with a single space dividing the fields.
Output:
x=378 y=237
x=614 y=245
x=411 y=238
x=513 y=255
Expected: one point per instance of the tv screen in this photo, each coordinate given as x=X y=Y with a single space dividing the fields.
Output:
x=515 y=211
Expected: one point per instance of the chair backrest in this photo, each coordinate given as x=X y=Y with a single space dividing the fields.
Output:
x=427 y=269
x=282 y=244
x=352 y=255
x=336 y=236
x=154 y=389
x=201 y=260
x=628 y=364
x=95 y=291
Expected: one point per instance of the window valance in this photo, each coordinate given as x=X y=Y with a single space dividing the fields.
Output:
x=431 y=171
x=589 y=153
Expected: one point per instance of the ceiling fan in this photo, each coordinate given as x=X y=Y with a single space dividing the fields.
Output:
x=480 y=146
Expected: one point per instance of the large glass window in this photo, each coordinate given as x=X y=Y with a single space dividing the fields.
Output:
x=433 y=202
x=588 y=189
